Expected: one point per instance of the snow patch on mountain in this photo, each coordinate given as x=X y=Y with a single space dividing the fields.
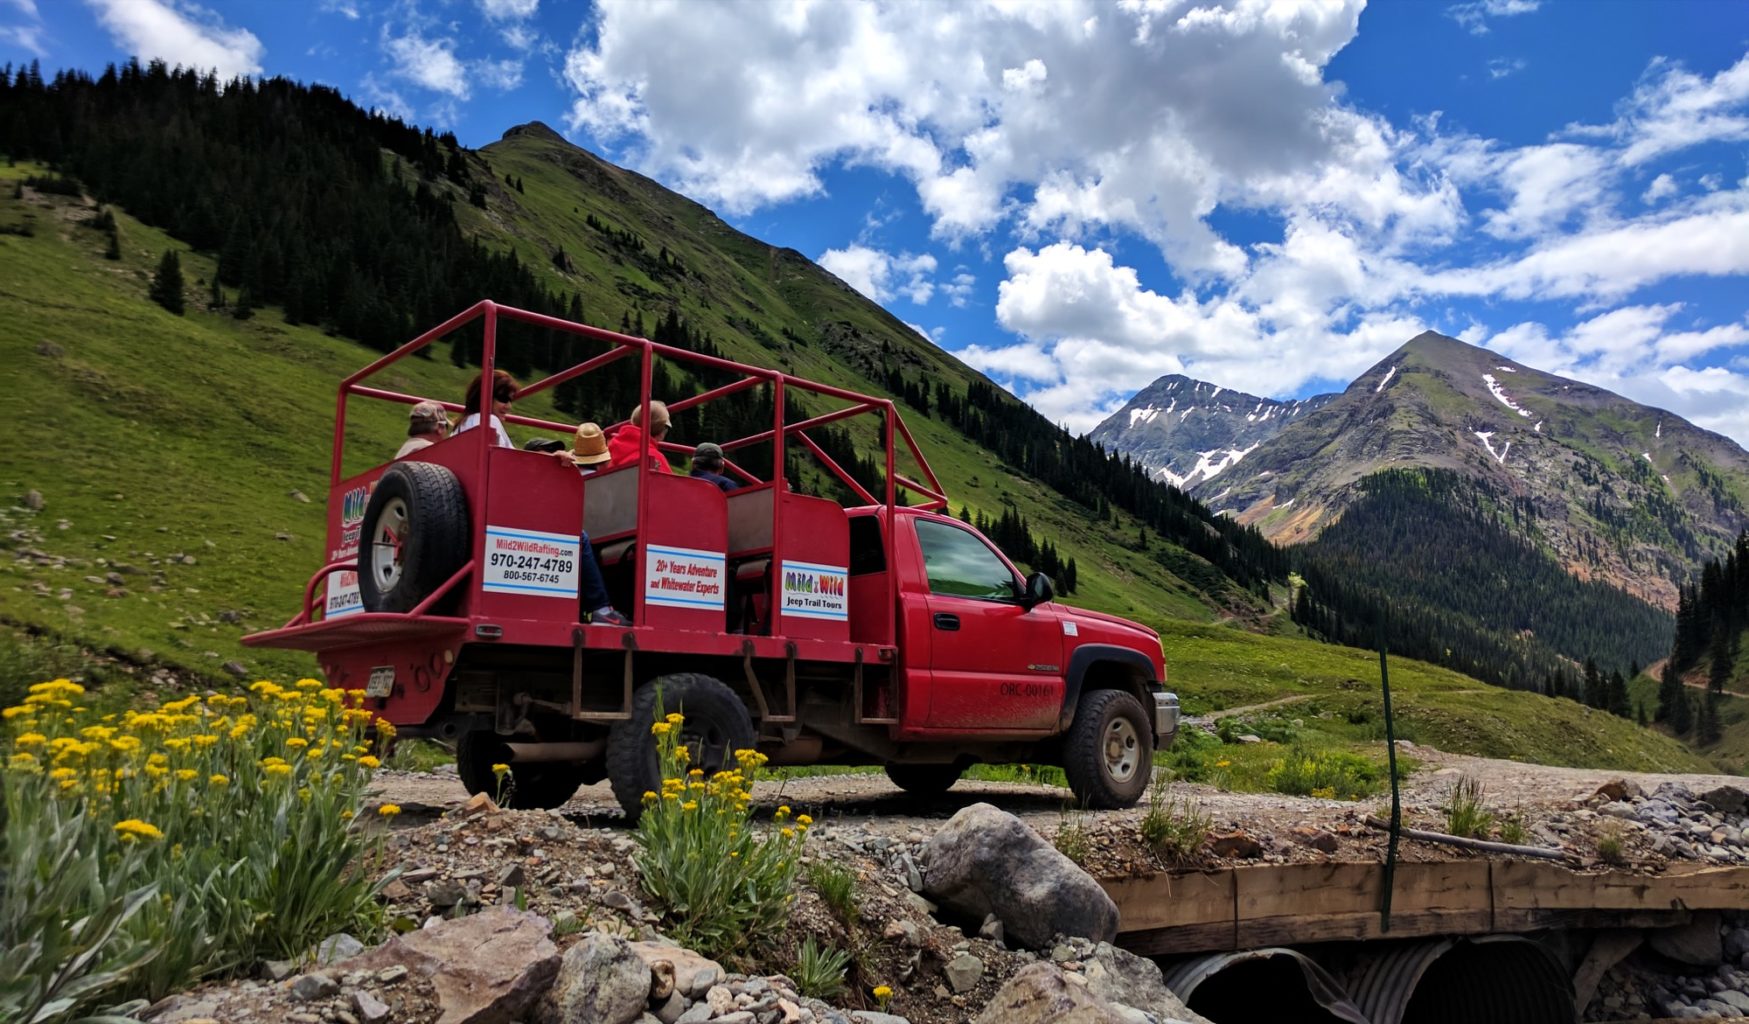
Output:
x=1487 y=439
x=1505 y=399
x=1209 y=464
x=1392 y=372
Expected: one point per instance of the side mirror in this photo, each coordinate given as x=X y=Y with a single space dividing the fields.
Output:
x=1038 y=590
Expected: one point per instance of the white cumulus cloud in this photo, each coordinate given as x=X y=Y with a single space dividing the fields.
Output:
x=882 y=275
x=181 y=34
x=429 y=63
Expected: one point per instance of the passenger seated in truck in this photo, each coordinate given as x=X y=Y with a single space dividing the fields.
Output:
x=588 y=451
x=504 y=388
x=427 y=424
x=629 y=440
x=707 y=465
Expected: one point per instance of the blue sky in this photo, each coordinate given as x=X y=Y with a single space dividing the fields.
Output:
x=1077 y=197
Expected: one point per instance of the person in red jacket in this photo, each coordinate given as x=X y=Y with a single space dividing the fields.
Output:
x=629 y=440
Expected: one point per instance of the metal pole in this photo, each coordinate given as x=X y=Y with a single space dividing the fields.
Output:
x=1396 y=794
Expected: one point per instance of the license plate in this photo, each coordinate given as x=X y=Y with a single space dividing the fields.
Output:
x=382 y=680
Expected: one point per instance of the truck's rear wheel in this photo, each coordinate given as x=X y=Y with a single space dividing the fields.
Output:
x=716 y=725
x=1108 y=753
x=541 y=786
x=924 y=779
x=415 y=536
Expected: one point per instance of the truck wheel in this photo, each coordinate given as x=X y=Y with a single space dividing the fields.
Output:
x=534 y=787
x=924 y=779
x=415 y=536
x=717 y=724
x=1108 y=753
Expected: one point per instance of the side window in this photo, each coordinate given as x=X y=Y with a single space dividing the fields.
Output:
x=867 y=551
x=959 y=564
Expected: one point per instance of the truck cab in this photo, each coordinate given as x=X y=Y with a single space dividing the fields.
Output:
x=875 y=630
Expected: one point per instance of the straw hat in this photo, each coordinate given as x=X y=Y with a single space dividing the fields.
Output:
x=589 y=448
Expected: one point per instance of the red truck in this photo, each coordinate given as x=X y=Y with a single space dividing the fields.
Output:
x=882 y=633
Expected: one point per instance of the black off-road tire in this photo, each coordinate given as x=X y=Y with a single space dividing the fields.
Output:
x=434 y=536
x=924 y=780
x=717 y=724
x=533 y=787
x=1110 y=731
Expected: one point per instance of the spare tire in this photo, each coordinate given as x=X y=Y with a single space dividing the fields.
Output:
x=414 y=536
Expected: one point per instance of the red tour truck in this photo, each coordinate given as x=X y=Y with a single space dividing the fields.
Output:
x=885 y=633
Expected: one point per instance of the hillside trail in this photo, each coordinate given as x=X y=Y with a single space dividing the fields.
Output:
x=1208 y=720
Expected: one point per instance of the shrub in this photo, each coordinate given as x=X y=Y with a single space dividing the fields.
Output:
x=1466 y=813
x=820 y=970
x=836 y=886
x=238 y=809
x=1611 y=847
x=1512 y=828
x=1072 y=839
x=1173 y=827
x=720 y=886
x=1331 y=774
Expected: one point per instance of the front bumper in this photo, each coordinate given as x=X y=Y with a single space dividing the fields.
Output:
x=1165 y=719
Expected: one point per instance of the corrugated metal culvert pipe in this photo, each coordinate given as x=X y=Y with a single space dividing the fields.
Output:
x=1493 y=979
x=1228 y=988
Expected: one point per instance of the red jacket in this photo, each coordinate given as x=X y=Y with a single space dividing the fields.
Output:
x=624 y=446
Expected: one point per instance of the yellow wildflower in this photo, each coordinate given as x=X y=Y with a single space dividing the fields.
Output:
x=368 y=761
x=24 y=762
x=13 y=712
x=30 y=739
x=674 y=718
x=660 y=729
x=782 y=811
x=690 y=805
x=788 y=833
x=650 y=796
x=218 y=780
x=187 y=774
x=297 y=743
x=500 y=770
x=205 y=740
x=389 y=810
x=278 y=769
x=134 y=828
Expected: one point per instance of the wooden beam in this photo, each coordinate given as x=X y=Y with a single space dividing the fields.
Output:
x=1290 y=904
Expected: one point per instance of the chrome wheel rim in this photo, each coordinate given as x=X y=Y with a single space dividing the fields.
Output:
x=388 y=535
x=1123 y=750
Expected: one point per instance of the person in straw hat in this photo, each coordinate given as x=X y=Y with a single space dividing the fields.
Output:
x=588 y=449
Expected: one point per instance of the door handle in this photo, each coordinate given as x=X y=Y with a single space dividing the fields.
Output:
x=947 y=621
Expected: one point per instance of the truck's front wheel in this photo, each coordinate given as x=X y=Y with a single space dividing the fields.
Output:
x=716 y=725
x=1108 y=753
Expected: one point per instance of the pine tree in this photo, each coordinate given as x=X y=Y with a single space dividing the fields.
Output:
x=1722 y=662
x=1616 y=695
x=1593 y=694
x=167 y=283
x=1707 y=725
x=1682 y=715
x=1671 y=692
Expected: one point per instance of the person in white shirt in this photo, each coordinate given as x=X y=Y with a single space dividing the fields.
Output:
x=504 y=388
x=427 y=424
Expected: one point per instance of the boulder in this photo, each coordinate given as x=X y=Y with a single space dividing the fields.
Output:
x=1040 y=993
x=986 y=861
x=1731 y=800
x=488 y=968
x=1121 y=977
x=1697 y=943
x=963 y=973
x=601 y=981
x=693 y=974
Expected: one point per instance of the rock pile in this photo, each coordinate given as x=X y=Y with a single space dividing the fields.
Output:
x=1677 y=822
x=1695 y=973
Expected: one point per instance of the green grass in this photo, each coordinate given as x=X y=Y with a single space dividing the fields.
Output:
x=1216 y=667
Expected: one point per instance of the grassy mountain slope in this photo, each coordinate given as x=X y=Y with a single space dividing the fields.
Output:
x=1621 y=492
x=171 y=448
x=186 y=436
